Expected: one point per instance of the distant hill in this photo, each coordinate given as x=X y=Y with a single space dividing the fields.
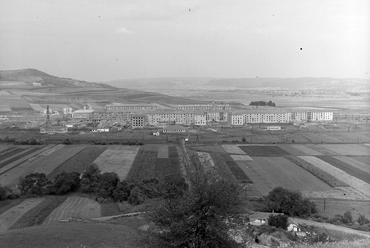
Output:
x=327 y=84
x=30 y=76
x=171 y=82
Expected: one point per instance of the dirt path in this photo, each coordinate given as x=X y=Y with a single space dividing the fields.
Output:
x=332 y=227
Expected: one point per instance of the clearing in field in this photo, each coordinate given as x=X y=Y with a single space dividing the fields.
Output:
x=347 y=149
x=80 y=161
x=264 y=151
x=8 y=218
x=359 y=185
x=347 y=168
x=282 y=172
x=75 y=207
x=233 y=149
x=118 y=159
x=355 y=163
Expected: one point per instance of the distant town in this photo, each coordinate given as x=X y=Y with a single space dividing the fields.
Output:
x=176 y=119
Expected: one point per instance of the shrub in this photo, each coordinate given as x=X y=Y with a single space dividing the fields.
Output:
x=65 y=182
x=362 y=220
x=347 y=217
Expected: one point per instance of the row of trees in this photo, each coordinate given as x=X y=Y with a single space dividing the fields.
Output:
x=262 y=103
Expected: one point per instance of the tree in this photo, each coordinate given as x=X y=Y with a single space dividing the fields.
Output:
x=65 y=182
x=34 y=184
x=90 y=179
x=278 y=220
x=121 y=192
x=362 y=220
x=347 y=217
x=198 y=217
x=289 y=202
x=3 y=193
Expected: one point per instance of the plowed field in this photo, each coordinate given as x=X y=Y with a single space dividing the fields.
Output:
x=348 y=149
x=268 y=151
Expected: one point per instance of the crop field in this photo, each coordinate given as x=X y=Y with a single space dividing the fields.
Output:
x=5 y=108
x=221 y=167
x=349 y=149
x=38 y=214
x=216 y=149
x=49 y=163
x=241 y=158
x=306 y=150
x=364 y=176
x=355 y=163
x=363 y=159
x=238 y=173
x=118 y=159
x=19 y=156
x=9 y=217
x=144 y=165
x=10 y=152
x=359 y=185
x=80 y=161
x=233 y=149
x=263 y=151
x=292 y=150
x=10 y=174
x=322 y=150
x=75 y=207
x=36 y=107
x=282 y=172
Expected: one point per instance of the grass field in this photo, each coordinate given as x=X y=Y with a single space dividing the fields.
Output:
x=322 y=150
x=162 y=151
x=19 y=156
x=9 y=217
x=353 y=182
x=74 y=207
x=234 y=167
x=241 y=158
x=79 y=161
x=6 y=154
x=118 y=159
x=109 y=209
x=306 y=150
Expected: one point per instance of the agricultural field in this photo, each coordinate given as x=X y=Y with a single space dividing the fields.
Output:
x=74 y=207
x=233 y=149
x=118 y=159
x=80 y=161
x=349 y=149
x=268 y=151
x=356 y=162
x=153 y=161
x=9 y=217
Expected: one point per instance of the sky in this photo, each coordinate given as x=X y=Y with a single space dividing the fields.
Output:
x=99 y=41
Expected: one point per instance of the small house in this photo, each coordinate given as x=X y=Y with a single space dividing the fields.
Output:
x=174 y=129
x=260 y=218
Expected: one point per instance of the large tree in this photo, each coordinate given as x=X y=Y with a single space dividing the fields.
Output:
x=197 y=217
x=34 y=184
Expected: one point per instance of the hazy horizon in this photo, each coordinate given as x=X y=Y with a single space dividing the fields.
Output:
x=103 y=41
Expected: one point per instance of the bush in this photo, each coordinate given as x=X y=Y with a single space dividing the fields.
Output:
x=278 y=220
x=65 y=182
x=347 y=217
x=34 y=184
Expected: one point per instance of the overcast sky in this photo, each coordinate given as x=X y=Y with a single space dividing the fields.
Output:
x=104 y=40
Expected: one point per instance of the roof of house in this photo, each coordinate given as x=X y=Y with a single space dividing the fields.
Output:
x=83 y=111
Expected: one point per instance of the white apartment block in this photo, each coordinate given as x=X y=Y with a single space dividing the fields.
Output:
x=120 y=106
x=321 y=116
x=267 y=117
x=236 y=119
x=200 y=119
x=167 y=117
x=204 y=107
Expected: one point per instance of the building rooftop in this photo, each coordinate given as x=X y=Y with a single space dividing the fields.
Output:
x=83 y=111
x=173 y=127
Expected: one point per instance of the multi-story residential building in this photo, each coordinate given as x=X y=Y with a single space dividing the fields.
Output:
x=120 y=106
x=321 y=116
x=236 y=119
x=200 y=119
x=111 y=115
x=267 y=117
x=137 y=121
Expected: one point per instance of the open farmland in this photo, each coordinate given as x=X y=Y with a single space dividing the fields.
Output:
x=9 y=217
x=233 y=149
x=144 y=165
x=167 y=162
x=322 y=150
x=117 y=159
x=267 y=151
x=75 y=207
x=358 y=185
x=355 y=163
x=348 y=149
x=80 y=161
x=282 y=172
x=10 y=152
x=19 y=156
x=306 y=150
x=10 y=174
x=238 y=173
x=364 y=176
x=38 y=214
